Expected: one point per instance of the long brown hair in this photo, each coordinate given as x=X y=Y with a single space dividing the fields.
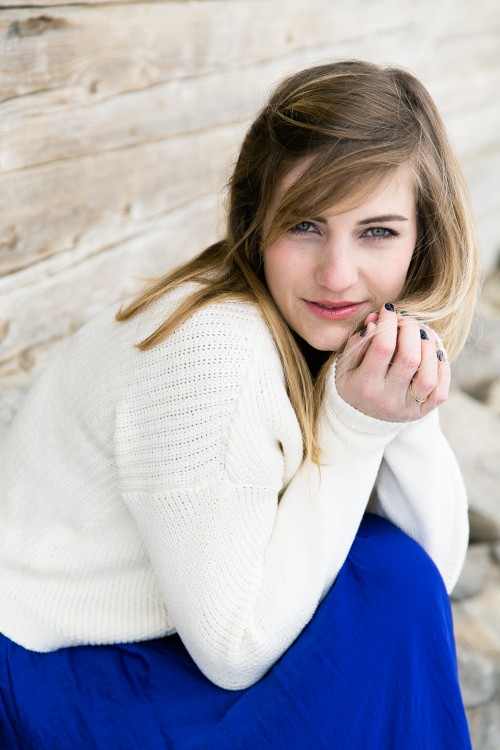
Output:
x=352 y=123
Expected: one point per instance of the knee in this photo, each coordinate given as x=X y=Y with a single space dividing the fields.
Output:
x=407 y=574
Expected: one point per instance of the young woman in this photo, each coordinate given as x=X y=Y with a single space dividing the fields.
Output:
x=229 y=518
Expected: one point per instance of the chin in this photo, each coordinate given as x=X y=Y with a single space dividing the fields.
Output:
x=325 y=344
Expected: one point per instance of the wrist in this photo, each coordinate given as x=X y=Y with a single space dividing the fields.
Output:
x=339 y=409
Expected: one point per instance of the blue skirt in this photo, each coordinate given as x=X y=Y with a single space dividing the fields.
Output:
x=375 y=668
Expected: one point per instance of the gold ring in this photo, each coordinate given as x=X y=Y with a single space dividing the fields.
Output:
x=418 y=400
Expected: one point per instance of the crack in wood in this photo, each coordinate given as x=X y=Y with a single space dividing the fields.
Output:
x=35 y=26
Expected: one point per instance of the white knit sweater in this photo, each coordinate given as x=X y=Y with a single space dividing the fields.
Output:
x=147 y=493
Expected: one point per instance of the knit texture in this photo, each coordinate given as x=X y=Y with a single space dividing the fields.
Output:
x=147 y=493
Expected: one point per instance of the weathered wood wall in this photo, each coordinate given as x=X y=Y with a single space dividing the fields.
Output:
x=119 y=122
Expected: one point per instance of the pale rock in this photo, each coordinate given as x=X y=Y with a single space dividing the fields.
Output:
x=479 y=362
x=477 y=677
x=477 y=622
x=480 y=569
x=473 y=431
x=484 y=725
x=481 y=528
x=493 y=396
x=490 y=293
x=496 y=551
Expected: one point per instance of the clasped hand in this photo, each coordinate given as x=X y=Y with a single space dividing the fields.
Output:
x=393 y=370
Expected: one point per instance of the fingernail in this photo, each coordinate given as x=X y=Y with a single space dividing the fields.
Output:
x=423 y=335
x=363 y=331
x=440 y=355
x=389 y=306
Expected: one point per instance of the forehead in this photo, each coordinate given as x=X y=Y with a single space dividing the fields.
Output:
x=395 y=194
x=398 y=189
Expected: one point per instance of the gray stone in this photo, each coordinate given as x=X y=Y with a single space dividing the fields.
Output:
x=478 y=364
x=481 y=528
x=477 y=622
x=473 y=431
x=495 y=550
x=484 y=725
x=493 y=396
x=479 y=569
x=490 y=292
x=477 y=677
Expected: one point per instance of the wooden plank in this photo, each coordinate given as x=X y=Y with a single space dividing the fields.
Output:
x=8 y=4
x=474 y=130
x=468 y=65
x=459 y=9
x=45 y=127
x=102 y=51
x=50 y=300
x=40 y=129
x=481 y=173
x=489 y=240
x=79 y=206
x=90 y=53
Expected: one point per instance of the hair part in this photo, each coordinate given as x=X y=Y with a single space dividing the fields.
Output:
x=351 y=124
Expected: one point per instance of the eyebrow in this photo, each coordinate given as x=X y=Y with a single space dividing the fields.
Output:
x=387 y=217
x=371 y=220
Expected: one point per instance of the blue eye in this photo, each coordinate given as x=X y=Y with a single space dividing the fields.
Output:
x=303 y=227
x=380 y=233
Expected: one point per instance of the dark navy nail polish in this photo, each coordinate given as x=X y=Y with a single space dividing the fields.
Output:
x=363 y=331
x=389 y=306
x=440 y=355
x=423 y=335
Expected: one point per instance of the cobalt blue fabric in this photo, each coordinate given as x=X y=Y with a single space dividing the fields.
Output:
x=375 y=668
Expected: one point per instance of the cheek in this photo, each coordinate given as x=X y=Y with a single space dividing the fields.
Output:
x=278 y=264
x=400 y=269
x=409 y=255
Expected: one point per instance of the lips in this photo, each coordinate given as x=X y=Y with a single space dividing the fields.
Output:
x=334 y=310
x=334 y=305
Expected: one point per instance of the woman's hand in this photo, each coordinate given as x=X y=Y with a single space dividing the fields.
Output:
x=393 y=370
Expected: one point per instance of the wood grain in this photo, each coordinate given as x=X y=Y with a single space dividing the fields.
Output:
x=50 y=300
x=93 y=51
x=55 y=124
x=86 y=204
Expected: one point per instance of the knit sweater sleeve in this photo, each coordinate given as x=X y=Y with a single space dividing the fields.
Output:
x=420 y=489
x=243 y=553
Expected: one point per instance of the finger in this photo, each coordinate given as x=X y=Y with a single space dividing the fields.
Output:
x=408 y=355
x=442 y=389
x=440 y=393
x=371 y=318
x=425 y=379
x=381 y=345
x=357 y=345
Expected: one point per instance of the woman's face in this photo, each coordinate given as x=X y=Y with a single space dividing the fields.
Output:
x=328 y=272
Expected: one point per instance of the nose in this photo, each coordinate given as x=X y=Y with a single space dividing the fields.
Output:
x=336 y=269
